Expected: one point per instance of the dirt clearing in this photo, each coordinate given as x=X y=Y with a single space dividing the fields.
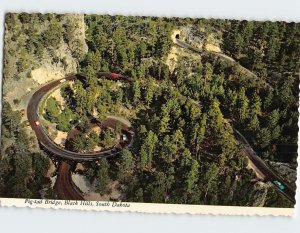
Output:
x=212 y=48
x=60 y=137
x=212 y=44
x=172 y=58
x=258 y=174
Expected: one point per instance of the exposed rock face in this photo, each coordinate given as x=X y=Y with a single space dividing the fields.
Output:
x=67 y=54
x=285 y=171
x=202 y=38
x=262 y=189
x=77 y=42
x=193 y=37
x=261 y=194
x=47 y=72
x=54 y=64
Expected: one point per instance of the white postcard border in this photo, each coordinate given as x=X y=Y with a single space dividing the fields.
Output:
x=145 y=207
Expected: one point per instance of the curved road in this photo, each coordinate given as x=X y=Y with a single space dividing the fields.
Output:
x=64 y=185
x=43 y=138
x=224 y=57
x=263 y=168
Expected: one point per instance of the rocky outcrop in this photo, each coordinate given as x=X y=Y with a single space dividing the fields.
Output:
x=285 y=171
x=260 y=196
x=68 y=53
x=39 y=64
x=201 y=38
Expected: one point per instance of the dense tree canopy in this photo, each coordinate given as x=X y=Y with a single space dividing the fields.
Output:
x=185 y=149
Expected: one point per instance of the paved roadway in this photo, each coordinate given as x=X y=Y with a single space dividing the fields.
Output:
x=45 y=141
x=224 y=57
x=269 y=174
x=263 y=168
x=64 y=186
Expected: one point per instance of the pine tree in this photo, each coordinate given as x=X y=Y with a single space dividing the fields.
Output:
x=102 y=177
x=255 y=107
x=253 y=124
x=126 y=164
x=242 y=106
x=142 y=160
x=136 y=92
x=149 y=92
x=192 y=176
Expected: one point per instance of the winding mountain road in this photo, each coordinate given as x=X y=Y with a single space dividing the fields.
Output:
x=64 y=185
x=233 y=62
x=46 y=142
x=262 y=167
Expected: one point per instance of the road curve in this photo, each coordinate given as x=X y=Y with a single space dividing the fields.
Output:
x=269 y=174
x=67 y=189
x=43 y=138
x=64 y=186
x=224 y=57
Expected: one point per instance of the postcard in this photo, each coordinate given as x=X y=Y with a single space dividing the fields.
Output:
x=149 y=114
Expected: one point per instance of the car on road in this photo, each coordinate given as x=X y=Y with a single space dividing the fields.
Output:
x=115 y=76
x=124 y=137
x=37 y=123
x=278 y=184
x=62 y=80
